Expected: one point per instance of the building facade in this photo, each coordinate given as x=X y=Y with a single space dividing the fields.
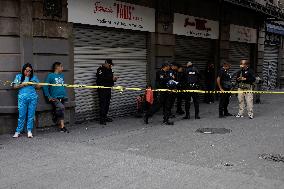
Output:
x=139 y=35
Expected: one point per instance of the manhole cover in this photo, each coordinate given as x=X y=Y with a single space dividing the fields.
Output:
x=272 y=157
x=213 y=130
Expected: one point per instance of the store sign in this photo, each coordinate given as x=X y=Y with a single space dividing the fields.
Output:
x=195 y=27
x=111 y=13
x=275 y=29
x=243 y=34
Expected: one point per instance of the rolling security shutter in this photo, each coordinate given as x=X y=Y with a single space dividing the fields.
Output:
x=270 y=67
x=196 y=50
x=92 y=46
x=237 y=52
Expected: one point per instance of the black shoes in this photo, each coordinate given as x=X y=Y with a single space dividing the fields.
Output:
x=64 y=130
x=228 y=115
x=180 y=112
x=146 y=120
x=103 y=122
x=108 y=119
x=167 y=122
x=186 y=117
x=197 y=117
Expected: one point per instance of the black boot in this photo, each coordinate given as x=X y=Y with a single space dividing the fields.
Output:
x=146 y=120
x=102 y=122
x=180 y=112
x=221 y=114
x=167 y=122
x=197 y=114
x=187 y=115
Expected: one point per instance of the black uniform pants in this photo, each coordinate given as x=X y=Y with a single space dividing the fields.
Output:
x=179 y=97
x=166 y=101
x=223 y=104
x=195 y=98
x=104 y=102
x=209 y=97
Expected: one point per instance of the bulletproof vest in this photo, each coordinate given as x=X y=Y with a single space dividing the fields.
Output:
x=226 y=80
x=162 y=79
x=192 y=75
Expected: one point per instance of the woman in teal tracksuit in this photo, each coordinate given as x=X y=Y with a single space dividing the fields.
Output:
x=27 y=99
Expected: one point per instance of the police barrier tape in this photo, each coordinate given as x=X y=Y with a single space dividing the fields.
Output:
x=121 y=89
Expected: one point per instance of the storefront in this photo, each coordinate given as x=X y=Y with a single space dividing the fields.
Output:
x=272 y=60
x=195 y=41
x=242 y=40
x=109 y=29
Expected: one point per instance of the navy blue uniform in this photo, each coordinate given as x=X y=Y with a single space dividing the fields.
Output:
x=180 y=95
x=226 y=83
x=104 y=78
x=163 y=79
x=192 y=79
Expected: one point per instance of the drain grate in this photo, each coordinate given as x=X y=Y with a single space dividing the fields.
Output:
x=213 y=130
x=272 y=157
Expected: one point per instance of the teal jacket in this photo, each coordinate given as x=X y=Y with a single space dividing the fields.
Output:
x=55 y=91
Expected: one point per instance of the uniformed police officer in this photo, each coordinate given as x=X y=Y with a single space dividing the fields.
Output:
x=174 y=76
x=192 y=79
x=165 y=81
x=224 y=82
x=181 y=83
x=105 y=78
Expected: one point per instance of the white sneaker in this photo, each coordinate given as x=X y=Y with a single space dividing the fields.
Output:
x=16 y=135
x=239 y=116
x=251 y=117
x=30 y=134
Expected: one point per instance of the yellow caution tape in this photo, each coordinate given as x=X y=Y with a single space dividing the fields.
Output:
x=121 y=89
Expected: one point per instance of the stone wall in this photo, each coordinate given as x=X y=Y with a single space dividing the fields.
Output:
x=28 y=35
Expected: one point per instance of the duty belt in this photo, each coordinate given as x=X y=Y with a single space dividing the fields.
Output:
x=192 y=85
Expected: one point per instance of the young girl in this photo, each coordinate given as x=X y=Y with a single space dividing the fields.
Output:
x=149 y=100
x=27 y=99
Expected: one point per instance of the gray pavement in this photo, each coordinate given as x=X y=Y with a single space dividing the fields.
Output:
x=127 y=154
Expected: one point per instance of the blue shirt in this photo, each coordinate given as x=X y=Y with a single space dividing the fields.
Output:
x=55 y=91
x=27 y=90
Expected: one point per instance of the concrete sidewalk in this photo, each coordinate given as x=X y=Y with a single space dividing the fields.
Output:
x=127 y=154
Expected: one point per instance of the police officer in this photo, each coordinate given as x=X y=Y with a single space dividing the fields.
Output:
x=174 y=77
x=192 y=78
x=179 y=96
x=210 y=84
x=225 y=84
x=165 y=81
x=105 y=78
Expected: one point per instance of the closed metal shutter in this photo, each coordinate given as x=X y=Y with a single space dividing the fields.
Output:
x=270 y=67
x=92 y=45
x=238 y=52
x=197 y=50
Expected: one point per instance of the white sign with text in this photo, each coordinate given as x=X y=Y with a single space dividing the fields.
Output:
x=195 y=27
x=111 y=13
x=243 y=34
